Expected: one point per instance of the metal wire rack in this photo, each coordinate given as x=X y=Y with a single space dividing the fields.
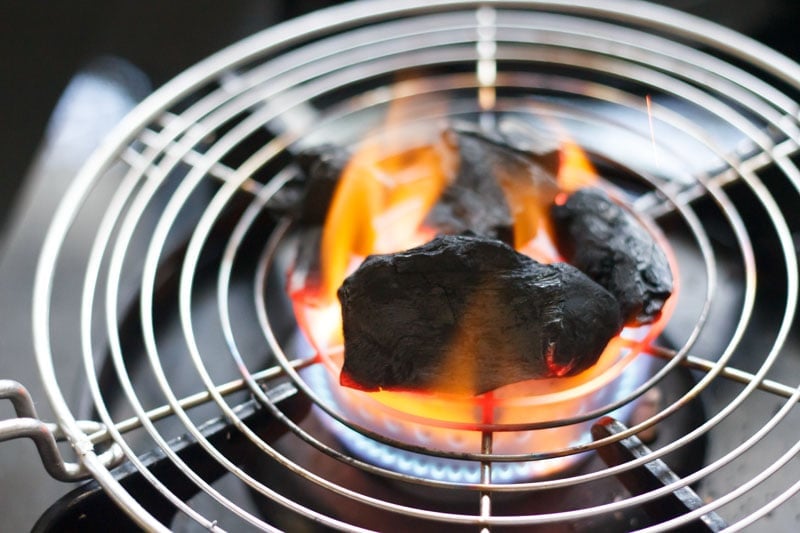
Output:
x=174 y=204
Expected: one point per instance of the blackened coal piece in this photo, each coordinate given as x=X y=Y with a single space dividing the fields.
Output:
x=308 y=197
x=490 y=160
x=611 y=247
x=466 y=315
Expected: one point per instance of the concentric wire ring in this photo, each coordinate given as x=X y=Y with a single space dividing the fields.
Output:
x=188 y=159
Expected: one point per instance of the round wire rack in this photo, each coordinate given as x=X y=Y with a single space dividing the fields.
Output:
x=186 y=334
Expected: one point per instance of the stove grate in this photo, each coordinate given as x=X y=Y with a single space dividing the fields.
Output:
x=167 y=230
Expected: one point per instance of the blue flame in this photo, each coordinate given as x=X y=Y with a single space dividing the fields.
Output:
x=449 y=470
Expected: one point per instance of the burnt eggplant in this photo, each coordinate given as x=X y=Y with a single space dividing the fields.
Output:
x=492 y=168
x=466 y=315
x=308 y=197
x=613 y=248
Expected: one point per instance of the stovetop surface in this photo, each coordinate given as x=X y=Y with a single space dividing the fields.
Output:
x=51 y=45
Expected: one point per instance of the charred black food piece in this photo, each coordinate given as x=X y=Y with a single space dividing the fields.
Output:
x=466 y=315
x=611 y=247
x=491 y=163
x=308 y=197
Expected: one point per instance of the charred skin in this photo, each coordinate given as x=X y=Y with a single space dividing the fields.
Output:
x=475 y=201
x=467 y=315
x=307 y=198
x=611 y=247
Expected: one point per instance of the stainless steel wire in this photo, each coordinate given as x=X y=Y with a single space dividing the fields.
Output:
x=277 y=80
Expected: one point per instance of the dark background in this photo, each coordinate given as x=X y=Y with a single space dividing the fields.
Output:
x=44 y=44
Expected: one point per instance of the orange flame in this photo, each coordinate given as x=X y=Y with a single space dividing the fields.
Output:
x=379 y=206
x=390 y=184
x=387 y=190
x=575 y=171
x=528 y=201
x=385 y=193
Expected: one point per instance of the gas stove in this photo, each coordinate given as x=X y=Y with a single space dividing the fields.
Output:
x=159 y=312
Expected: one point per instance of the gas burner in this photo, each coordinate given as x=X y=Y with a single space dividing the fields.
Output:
x=200 y=386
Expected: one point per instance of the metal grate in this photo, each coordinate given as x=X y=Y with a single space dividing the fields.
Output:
x=174 y=206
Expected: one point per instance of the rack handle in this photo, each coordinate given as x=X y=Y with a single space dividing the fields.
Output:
x=90 y=508
x=46 y=435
